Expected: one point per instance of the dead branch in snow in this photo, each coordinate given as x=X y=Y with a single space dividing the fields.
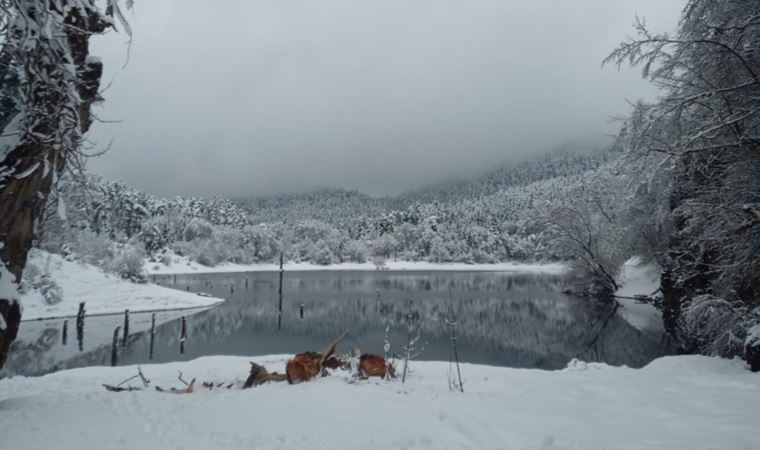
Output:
x=179 y=377
x=188 y=390
x=118 y=387
x=111 y=388
x=302 y=367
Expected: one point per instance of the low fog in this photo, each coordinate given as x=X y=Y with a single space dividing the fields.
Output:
x=256 y=98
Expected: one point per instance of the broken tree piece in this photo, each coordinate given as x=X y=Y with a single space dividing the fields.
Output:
x=260 y=375
x=121 y=389
x=188 y=390
x=305 y=366
x=334 y=362
x=375 y=366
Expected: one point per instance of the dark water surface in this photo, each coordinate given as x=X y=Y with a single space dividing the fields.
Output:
x=504 y=319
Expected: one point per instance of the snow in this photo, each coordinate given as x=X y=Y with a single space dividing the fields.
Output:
x=101 y=292
x=684 y=402
x=182 y=265
x=753 y=337
x=637 y=278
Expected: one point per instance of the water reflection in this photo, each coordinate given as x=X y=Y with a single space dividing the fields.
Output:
x=507 y=319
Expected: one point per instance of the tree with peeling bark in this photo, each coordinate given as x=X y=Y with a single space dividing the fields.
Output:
x=49 y=83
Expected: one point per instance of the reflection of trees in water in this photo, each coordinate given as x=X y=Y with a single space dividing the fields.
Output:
x=31 y=353
x=39 y=350
x=503 y=319
x=511 y=320
x=439 y=282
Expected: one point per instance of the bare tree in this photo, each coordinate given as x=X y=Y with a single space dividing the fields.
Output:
x=45 y=115
x=702 y=137
x=587 y=228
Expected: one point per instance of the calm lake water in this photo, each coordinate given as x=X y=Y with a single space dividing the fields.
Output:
x=504 y=319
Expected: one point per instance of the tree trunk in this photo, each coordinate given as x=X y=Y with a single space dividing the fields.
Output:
x=26 y=173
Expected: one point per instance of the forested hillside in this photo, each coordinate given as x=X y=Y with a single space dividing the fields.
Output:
x=497 y=217
x=678 y=187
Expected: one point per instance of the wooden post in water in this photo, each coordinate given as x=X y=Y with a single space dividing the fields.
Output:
x=80 y=326
x=152 y=334
x=126 y=328
x=279 y=309
x=183 y=336
x=175 y=279
x=65 y=332
x=301 y=310
x=115 y=346
x=246 y=283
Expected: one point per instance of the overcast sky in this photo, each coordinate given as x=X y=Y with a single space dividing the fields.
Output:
x=251 y=97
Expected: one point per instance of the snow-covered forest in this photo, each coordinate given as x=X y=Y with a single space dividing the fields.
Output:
x=499 y=217
x=677 y=187
x=659 y=223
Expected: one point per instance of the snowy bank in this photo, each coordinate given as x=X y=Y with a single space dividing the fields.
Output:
x=685 y=402
x=182 y=265
x=102 y=293
x=639 y=279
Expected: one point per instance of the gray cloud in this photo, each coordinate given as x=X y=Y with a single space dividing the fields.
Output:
x=258 y=97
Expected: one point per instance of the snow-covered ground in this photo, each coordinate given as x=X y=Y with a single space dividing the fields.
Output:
x=102 y=293
x=685 y=402
x=637 y=278
x=182 y=265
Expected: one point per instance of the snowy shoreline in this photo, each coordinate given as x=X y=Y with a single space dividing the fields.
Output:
x=102 y=293
x=683 y=402
x=182 y=266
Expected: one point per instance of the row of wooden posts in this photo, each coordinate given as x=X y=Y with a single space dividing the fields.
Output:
x=125 y=335
x=80 y=328
x=116 y=342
